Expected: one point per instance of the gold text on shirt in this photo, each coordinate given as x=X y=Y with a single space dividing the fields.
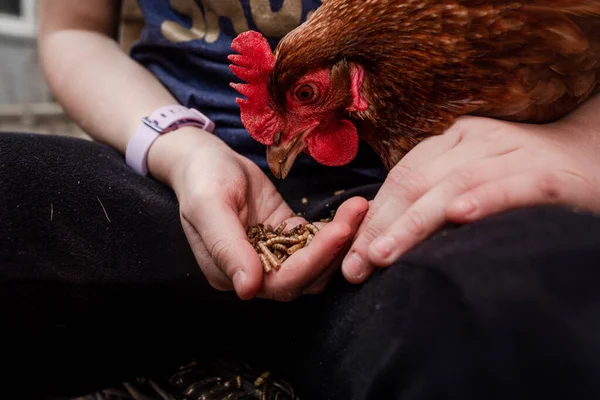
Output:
x=205 y=25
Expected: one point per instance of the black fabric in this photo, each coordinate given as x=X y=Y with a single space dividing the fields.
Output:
x=98 y=284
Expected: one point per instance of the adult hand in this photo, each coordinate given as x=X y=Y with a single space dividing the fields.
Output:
x=220 y=194
x=478 y=168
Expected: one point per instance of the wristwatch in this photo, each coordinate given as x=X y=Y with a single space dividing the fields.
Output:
x=163 y=120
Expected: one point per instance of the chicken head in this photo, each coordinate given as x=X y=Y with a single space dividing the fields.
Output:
x=310 y=116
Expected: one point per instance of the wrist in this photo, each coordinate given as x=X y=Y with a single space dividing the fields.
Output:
x=170 y=150
x=162 y=120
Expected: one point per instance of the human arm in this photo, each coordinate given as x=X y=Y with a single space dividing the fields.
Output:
x=220 y=192
x=479 y=167
x=102 y=89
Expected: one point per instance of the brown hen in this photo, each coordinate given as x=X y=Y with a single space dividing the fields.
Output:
x=393 y=72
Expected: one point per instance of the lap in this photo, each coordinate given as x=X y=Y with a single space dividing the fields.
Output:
x=83 y=235
x=90 y=239
x=502 y=308
x=505 y=302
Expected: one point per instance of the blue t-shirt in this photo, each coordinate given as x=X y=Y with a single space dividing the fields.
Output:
x=185 y=43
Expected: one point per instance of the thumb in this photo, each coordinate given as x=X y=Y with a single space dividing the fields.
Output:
x=225 y=240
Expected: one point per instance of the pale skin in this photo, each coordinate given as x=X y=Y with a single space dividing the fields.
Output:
x=478 y=168
x=221 y=192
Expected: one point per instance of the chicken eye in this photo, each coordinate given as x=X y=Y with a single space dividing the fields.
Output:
x=305 y=93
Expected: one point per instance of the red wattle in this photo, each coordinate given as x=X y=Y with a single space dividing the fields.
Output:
x=334 y=145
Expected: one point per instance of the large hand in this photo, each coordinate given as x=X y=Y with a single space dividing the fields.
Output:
x=479 y=167
x=222 y=193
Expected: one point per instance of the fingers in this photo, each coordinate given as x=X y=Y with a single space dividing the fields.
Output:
x=423 y=217
x=412 y=179
x=227 y=247
x=314 y=263
x=521 y=190
x=213 y=274
x=353 y=211
x=306 y=264
x=402 y=187
x=427 y=214
x=482 y=188
x=414 y=176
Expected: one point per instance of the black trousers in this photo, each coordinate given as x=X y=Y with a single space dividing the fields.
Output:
x=98 y=284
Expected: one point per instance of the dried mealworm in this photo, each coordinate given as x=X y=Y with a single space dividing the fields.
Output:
x=312 y=228
x=279 y=247
x=296 y=230
x=282 y=240
x=265 y=263
x=270 y=256
x=295 y=248
x=275 y=246
x=288 y=233
x=262 y=378
x=309 y=239
x=280 y=228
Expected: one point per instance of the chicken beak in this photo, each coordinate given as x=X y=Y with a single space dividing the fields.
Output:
x=281 y=157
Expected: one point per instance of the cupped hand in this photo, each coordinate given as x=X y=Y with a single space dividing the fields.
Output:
x=220 y=194
x=478 y=168
x=309 y=270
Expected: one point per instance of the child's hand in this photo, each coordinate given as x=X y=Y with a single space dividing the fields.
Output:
x=478 y=168
x=222 y=193
x=309 y=270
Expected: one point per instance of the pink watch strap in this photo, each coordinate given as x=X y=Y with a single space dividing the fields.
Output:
x=163 y=120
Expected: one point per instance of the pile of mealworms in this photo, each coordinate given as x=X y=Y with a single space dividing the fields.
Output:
x=274 y=246
x=206 y=379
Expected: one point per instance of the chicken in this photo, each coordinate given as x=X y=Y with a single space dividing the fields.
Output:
x=393 y=72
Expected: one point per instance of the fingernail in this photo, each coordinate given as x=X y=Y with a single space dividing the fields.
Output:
x=465 y=207
x=353 y=265
x=239 y=281
x=384 y=246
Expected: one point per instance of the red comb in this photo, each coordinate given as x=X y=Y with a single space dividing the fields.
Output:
x=254 y=64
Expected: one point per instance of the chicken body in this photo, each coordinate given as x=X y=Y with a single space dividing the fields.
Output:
x=402 y=70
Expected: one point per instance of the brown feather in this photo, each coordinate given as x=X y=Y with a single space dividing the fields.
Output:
x=429 y=61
